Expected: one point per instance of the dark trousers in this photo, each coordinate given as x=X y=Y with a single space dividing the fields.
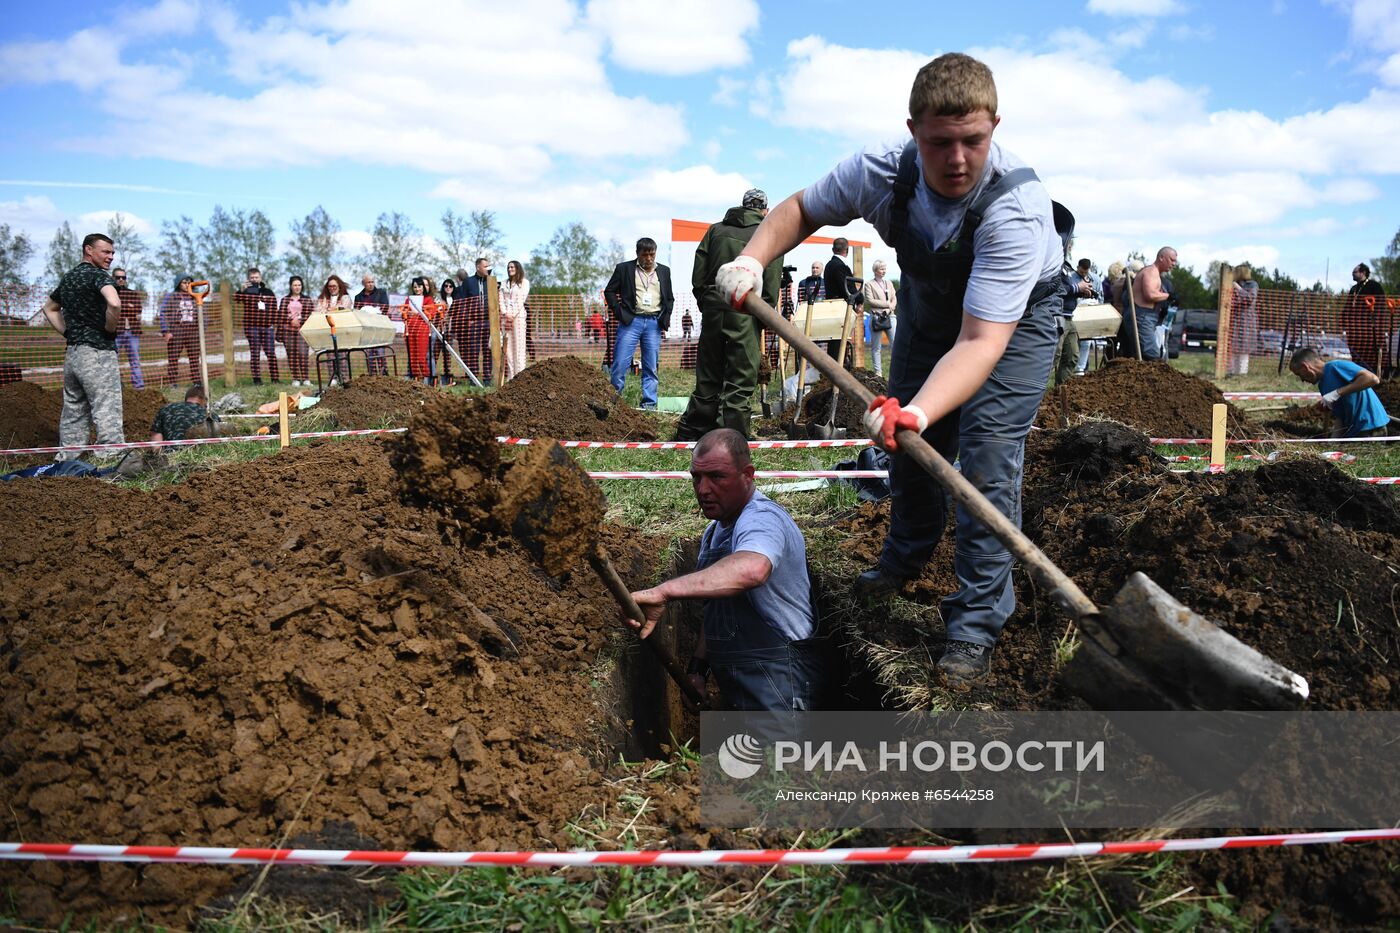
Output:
x=184 y=341
x=261 y=342
x=476 y=351
x=779 y=679
x=726 y=373
x=987 y=436
x=1147 y=321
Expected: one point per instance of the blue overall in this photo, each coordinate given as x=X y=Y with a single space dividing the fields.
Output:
x=756 y=666
x=987 y=435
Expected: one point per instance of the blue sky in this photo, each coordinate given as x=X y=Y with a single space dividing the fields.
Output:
x=1261 y=131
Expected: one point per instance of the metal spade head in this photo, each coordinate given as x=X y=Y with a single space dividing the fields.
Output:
x=1150 y=651
x=551 y=506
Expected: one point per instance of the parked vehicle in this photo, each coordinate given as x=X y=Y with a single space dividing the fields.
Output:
x=1194 y=329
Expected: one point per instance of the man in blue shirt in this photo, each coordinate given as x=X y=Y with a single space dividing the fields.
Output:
x=752 y=573
x=1348 y=390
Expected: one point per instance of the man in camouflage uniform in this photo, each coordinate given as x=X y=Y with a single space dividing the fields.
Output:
x=726 y=367
x=175 y=421
x=86 y=309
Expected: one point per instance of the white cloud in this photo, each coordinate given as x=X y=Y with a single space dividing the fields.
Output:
x=686 y=192
x=330 y=83
x=1134 y=7
x=727 y=91
x=101 y=185
x=97 y=220
x=1139 y=161
x=676 y=38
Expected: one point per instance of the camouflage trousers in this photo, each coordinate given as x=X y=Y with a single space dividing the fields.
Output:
x=92 y=398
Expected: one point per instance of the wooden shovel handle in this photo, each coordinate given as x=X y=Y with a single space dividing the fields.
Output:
x=608 y=573
x=1062 y=589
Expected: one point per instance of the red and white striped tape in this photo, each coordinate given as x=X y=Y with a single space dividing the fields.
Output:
x=687 y=445
x=190 y=442
x=1203 y=441
x=1373 y=480
x=610 y=445
x=208 y=855
x=1259 y=396
x=758 y=474
x=1326 y=455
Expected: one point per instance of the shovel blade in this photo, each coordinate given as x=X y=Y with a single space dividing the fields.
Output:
x=1151 y=652
x=825 y=432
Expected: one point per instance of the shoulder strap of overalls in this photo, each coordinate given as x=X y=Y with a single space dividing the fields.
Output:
x=1000 y=185
x=907 y=179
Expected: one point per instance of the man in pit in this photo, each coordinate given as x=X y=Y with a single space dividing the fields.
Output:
x=752 y=574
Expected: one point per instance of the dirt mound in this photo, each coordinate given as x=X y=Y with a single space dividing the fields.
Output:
x=199 y=663
x=375 y=402
x=564 y=397
x=1389 y=391
x=29 y=414
x=1151 y=397
x=850 y=413
x=1301 y=421
x=1275 y=556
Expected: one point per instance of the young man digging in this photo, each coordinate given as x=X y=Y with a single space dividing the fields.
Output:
x=979 y=263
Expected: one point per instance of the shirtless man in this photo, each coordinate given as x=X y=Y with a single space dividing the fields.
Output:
x=1147 y=293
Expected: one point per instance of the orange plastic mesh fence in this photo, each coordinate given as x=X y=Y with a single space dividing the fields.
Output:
x=157 y=347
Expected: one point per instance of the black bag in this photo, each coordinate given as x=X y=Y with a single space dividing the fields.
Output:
x=881 y=319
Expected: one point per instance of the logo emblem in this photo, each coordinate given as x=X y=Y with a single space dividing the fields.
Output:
x=740 y=756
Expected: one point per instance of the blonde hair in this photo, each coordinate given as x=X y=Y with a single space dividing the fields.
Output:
x=953 y=85
x=1243 y=272
x=1115 y=271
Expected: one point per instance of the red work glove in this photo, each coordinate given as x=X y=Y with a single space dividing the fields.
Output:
x=885 y=416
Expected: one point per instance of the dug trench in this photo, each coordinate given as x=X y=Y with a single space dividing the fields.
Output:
x=282 y=650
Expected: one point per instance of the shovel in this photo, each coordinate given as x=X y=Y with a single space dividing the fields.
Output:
x=1145 y=650
x=827 y=429
x=795 y=432
x=551 y=506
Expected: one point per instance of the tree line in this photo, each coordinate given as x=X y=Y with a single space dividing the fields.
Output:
x=573 y=260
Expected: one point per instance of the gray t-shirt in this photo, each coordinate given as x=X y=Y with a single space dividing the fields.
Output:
x=1015 y=246
x=784 y=601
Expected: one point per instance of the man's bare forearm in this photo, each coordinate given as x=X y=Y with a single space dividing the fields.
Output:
x=54 y=315
x=730 y=576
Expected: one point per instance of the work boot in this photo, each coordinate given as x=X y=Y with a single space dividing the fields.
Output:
x=878 y=585
x=964 y=662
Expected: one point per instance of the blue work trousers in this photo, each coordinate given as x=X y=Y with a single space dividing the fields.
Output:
x=987 y=436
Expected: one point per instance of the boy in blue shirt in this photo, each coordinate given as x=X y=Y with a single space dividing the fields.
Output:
x=1347 y=389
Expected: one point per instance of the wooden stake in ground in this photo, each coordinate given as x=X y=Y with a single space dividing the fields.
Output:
x=283 y=431
x=493 y=314
x=1222 y=322
x=226 y=319
x=1218 y=415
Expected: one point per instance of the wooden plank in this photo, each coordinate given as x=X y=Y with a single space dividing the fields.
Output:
x=1219 y=413
x=1222 y=325
x=493 y=312
x=226 y=319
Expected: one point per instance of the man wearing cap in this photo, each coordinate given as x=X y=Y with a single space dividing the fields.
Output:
x=727 y=359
